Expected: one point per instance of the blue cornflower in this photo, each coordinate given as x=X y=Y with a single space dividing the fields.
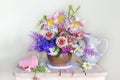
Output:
x=43 y=44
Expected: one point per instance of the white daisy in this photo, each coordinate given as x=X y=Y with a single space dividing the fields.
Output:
x=75 y=48
x=81 y=47
x=87 y=65
x=78 y=49
x=53 y=52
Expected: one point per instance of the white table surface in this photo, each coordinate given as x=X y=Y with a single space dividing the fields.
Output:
x=73 y=73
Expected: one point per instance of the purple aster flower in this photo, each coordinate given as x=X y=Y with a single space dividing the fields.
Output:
x=35 y=35
x=66 y=49
x=89 y=51
x=32 y=47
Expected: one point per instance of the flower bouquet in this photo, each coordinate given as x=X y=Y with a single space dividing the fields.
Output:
x=60 y=36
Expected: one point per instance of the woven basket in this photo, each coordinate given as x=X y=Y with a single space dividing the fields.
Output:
x=62 y=60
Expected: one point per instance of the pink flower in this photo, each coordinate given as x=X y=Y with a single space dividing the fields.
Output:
x=49 y=35
x=79 y=35
x=60 y=29
x=61 y=41
x=75 y=26
x=71 y=40
x=64 y=33
x=59 y=17
x=49 y=23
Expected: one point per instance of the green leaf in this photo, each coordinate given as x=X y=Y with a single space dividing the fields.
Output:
x=71 y=8
x=35 y=70
x=45 y=17
x=39 y=69
x=42 y=19
x=78 y=42
x=42 y=26
x=59 y=53
x=72 y=12
x=56 y=35
x=78 y=8
x=42 y=69
x=56 y=47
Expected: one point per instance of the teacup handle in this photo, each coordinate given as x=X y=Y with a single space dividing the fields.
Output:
x=106 y=46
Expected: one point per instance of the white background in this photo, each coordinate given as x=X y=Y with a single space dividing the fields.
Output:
x=18 y=18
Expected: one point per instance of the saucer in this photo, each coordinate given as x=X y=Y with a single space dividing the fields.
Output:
x=59 y=67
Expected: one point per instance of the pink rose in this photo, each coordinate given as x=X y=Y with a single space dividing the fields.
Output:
x=61 y=41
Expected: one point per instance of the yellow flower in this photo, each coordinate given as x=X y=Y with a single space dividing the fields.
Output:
x=75 y=24
x=81 y=47
x=61 y=18
x=50 y=22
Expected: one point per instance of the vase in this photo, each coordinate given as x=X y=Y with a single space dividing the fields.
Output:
x=62 y=60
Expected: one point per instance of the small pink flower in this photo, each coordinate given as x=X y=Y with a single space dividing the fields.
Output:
x=79 y=35
x=60 y=29
x=49 y=35
x=75 y=26
x=49 y=23
x=61 y=41
x=71 y=40
x=59 y=17
x=64 y=33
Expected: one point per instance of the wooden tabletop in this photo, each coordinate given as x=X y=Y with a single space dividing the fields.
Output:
x=71 y=72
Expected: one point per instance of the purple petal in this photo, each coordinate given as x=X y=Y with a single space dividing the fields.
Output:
x=32 y=47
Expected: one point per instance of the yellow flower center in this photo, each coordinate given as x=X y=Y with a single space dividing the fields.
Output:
x=60 y=18
x=74 y=49
x=87 y=65
x=50 y=22
x=75 y=24
x=81 y=47
x=53 y=50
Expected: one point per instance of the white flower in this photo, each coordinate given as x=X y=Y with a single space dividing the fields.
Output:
x=75 y=48
x=87 y=65
x=81 y=44
x=53 y=29
x=53 y=52
x=80 y=53
x=79 y=49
